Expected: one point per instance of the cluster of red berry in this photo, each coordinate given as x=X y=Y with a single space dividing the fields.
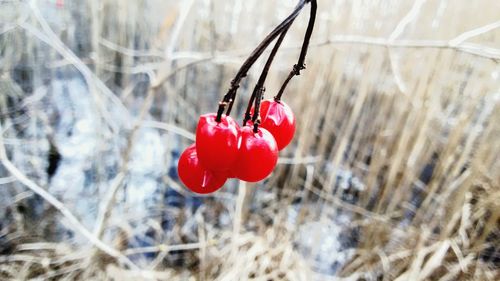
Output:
x=225 y=150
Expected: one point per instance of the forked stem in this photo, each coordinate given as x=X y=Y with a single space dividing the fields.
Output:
x=303 y=52
x=259 y=87
x=229 y=97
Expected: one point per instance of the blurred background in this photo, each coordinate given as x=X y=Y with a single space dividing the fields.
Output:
x=393 y=173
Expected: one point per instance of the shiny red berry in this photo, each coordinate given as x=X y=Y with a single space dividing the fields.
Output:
x=217 y=142
x=278 y=119
x=258 y=155
x=195 y=176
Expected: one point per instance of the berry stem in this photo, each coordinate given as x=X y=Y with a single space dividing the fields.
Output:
x=256 y=114
x=229 y=97
x=303 y=52
x=259 y=87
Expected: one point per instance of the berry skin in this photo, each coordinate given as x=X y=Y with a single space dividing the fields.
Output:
x=258 y=155
x=278 y=119
x=217 y=142
x=195 y=176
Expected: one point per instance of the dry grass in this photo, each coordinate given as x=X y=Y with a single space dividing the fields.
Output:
x=405 y=95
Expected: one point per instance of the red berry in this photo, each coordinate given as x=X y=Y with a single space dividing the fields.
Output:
x=278 y=119
x=258 y=155
x=195 y=176
x=217 y=142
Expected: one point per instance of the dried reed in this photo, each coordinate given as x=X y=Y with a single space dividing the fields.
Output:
x=401 y=98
